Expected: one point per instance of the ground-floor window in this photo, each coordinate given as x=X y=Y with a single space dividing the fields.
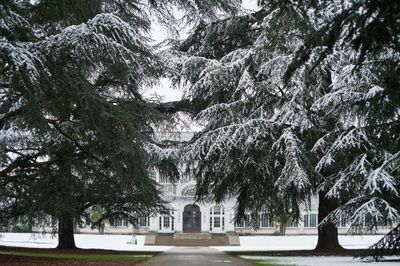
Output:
x=43 y=221
x=217 y=218
x=341 y=222
x=167 y=222
x=243 y=222
x=88 y=222
x=294 y=224
x=118 y=222
x=310 y=220
x=144 y=221
x=266 y=220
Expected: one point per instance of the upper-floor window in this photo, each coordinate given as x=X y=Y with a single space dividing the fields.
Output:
x=152 y=173
x=184 y=179
x=164 y=179
x=169 y=189
x=217 y=210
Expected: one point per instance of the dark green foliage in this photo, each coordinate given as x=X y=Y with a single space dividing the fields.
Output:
x=387 y=246
x=370 y=27
x=296 y=102
x=74 y=129
x=217 y=39
x=21 y=228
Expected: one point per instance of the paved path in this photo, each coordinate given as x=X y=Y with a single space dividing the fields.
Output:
x=188 y=256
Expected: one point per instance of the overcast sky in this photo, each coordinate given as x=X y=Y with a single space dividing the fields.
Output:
x=164 y=89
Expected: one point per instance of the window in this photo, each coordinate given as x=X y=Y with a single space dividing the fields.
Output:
x=294 y=224
x=118 y=222
x=217 y=222
x=243 y=222
x=342 y=222
x=47 y=220
x=266 y=220
x=164 y=179
x=169 y=189
x=152 y=173
x=166 y=221
x=43 y=221
x=184 y=179
x=310 y=220
x=88 y=221
x=144 y=221
x=217 y=218
x=85 y=222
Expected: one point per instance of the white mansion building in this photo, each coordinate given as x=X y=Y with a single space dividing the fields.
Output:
x=205 y=218
x=187 y=216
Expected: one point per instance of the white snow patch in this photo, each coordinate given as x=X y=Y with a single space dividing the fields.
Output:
x=112 y=242
x=120 y=242
x=297 y=242
x=318 y=260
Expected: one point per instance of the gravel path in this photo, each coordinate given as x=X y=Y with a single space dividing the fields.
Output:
x=193 y=256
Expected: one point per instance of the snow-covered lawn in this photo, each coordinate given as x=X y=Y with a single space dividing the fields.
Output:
x=297 y=242
x=318 y=261
x=114 y=242
x=120 y=242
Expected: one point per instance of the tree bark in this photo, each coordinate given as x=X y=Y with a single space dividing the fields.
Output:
x=66 y=233
x=282 y=228
x=327 y=232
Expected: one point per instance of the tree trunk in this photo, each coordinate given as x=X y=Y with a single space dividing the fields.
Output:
x=282 y=229
x=66 y=233
x=101 y=229
x=327 y=232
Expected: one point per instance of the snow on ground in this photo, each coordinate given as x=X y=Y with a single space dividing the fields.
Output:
x=318 y=261
x=120 y=242
x=297 y=242
x=114 y=242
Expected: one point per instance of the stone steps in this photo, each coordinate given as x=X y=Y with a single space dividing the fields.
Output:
x=192 y=240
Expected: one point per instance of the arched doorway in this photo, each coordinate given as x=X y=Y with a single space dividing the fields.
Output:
x=191 y=219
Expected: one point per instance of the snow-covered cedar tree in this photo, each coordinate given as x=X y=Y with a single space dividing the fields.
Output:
x=75 y=131
x=232 y=71
x=287 y=113
x=360 y=39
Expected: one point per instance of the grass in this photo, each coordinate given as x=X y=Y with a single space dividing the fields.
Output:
x=263 y=262
x=77 y=256
x=258 y=262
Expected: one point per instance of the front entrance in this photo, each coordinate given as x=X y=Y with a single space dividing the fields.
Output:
x=191 y=219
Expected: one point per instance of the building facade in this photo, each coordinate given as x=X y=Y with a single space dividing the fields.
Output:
x=187 y=216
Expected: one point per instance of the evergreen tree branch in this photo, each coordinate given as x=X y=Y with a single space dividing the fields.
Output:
x=176 y=106
x=105 y=163
x=9 y=115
